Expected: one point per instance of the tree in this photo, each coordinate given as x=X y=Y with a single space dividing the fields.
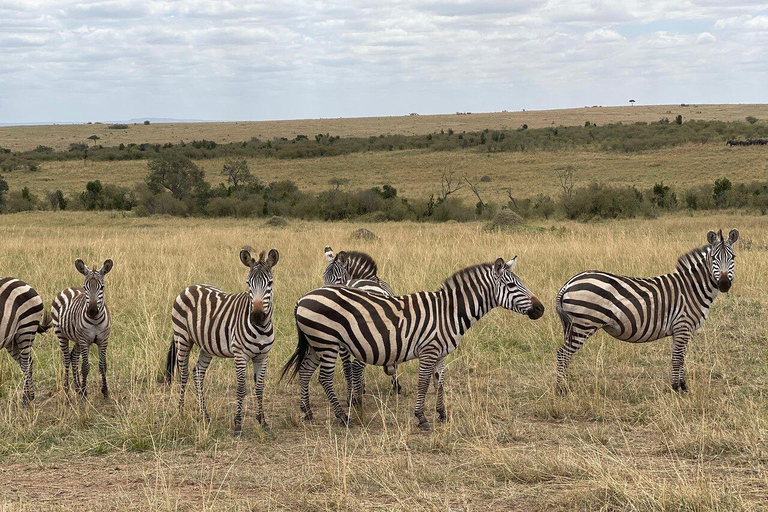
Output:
x=679 y=119
x=447 y=186
x=565 y=177
x=751 y=119
x=632 y=102
x=481 y=206
x=146 y=122
x=337 y=183
x=175 y=173
x=237 y=172
x=94 y=138
x=3 y=191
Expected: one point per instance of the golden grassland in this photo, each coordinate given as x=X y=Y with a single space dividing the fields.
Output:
x=620 y=441
x=19 y=138
x=416 y=174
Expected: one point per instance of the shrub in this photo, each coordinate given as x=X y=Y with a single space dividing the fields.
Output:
x=363 y=234
x=56 y=200
x=146 y=123
x=751 y=119
x=118 y=126
x=177 y=174
x=679 y=119
x=599 y=201
x=276 y=222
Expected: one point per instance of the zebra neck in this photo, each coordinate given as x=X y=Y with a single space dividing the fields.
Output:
x=462 y=304
x=693 y=269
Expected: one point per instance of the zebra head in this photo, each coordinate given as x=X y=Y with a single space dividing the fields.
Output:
x=337 y=271
x=260 y=283
x=512 y=294
x=94 y=286
x=722 y=258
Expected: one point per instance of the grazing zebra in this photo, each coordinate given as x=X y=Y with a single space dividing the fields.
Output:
x=358 y=270
x=22 y=318
x=221 y=324
x=640 y=310
x=383 y=330
x=80 y=315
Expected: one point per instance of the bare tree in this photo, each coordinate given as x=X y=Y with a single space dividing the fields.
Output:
x=565 y=177
x=448 y=186
x=237 y=172
x=508 y=190
x=337 y=183
x=474 y=189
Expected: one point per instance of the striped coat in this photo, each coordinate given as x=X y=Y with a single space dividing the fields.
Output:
x=22 y=318
x=640 y=310
x=81 y=317
x=235 y=326
x=384 y=331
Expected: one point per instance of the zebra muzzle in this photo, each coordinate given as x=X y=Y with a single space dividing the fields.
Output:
x=258 y=315
x=537 y=309
x=724 y=284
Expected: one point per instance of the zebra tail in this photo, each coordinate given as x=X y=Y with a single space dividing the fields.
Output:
x=45 y=324
x=297 y=358
x=170 y=362
x=564 y=317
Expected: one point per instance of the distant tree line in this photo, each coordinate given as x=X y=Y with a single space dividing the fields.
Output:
x=176 y=185
x=633 y=137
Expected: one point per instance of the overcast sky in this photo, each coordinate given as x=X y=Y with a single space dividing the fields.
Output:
x=246 y=60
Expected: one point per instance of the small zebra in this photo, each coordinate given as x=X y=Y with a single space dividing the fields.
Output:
x=22 y=318
x=357 y=270
x=383 y=330
x=80 y=315
x=226 y=325
x=639 y=310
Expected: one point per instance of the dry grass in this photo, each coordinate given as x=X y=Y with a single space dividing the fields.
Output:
x=61 y=136
x=620 y=441
x=416 y=174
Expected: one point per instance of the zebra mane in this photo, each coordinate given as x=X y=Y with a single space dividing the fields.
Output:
x=456 y=277
x=692 y=258
x=361 y=260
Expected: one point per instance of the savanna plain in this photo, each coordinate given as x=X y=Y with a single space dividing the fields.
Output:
x=621 y=440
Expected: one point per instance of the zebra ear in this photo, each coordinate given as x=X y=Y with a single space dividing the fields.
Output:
x=81 y=267
x=273 y=257
x=329 y=255
x=499 y=265
x=341 y=258
x=733 y=236
x=511 y=263
x=712 y=238
x=246 y=258
x=106 y=267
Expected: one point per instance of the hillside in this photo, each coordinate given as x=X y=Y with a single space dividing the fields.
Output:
x=20 y=138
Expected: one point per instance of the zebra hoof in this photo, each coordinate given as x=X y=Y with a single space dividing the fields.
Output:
x=266 y=428
x=397 y=390
x=562 y=389
x=238 y=433
x=206 y=418
x=424 y=425
x=357 y=402
x=309 y=417
x=680 y=387
x=344 y=420
x=441 y=415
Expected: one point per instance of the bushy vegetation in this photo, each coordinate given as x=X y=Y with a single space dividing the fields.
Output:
x=176 y=185
x=634 y=137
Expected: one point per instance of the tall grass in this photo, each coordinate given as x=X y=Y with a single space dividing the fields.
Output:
x=620 y=441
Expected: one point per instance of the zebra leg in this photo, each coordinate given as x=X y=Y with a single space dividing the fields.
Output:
x=327 y=368
x=307 y=369
x=84 y=369
x=391 y=370
x=64 y=346
x=346 y=365
x=439 y=381
x=259 y=371
x=74 y=361
x=574 y=337
x=241 y=366
x=680 y=341
x=103 y=369
x=426 y=368
x=358 y=383
x=203 y=360
x=182 y=360
x=22 y=352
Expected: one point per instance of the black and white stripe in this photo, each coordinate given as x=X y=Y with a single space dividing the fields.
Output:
x=80 y=316
x=22 y=318
x=357 y=270
x=221 y=324
x=384 y=331
x=639 y=310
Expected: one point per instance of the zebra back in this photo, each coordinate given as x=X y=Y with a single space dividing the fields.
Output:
x=22 y=312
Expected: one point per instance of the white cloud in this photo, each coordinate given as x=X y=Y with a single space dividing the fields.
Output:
x=74 y=60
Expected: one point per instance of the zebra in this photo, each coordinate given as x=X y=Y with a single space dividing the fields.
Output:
x=221 y=324
x=22 y=317
x=639 y=310
x=80 y=315
x=358 y=270
x=383 y=330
